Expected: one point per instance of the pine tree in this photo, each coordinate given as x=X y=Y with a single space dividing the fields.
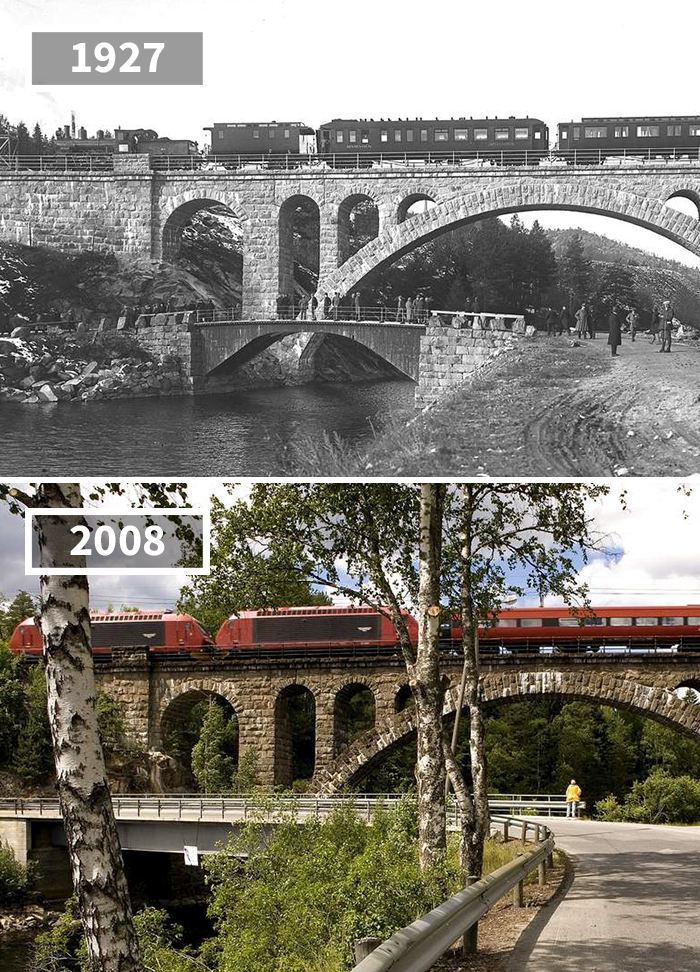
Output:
x=212 y=767
x=22 y=607
x=575 y=272
x=617 y=287
x=34 y=757
x=38 y=140
x=24 y=146
x=541 y=263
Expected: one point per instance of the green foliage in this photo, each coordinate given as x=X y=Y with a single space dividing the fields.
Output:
x=11 y=703
x=22 y=606
x=33 y=760
x=267 y=908
x=658 y=799
x=61 y=946
x=245 y=777
x=111 y=723
x=212 y=766
x=15 y=878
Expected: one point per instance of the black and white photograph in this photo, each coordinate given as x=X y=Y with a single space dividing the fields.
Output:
x=349 y=486
x=406 y=241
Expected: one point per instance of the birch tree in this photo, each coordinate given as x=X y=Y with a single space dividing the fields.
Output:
x=86 y=806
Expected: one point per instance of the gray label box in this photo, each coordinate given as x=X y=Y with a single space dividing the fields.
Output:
x=54 y=60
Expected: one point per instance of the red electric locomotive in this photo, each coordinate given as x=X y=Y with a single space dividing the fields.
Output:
x=160 y=631
x=599 y=630
x=300 y=628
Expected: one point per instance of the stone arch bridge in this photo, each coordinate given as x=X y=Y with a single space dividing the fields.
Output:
x=136 y=210
x=159 y=693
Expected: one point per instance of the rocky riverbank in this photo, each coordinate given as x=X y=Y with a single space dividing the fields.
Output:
x=56 y=366
x=21 y=923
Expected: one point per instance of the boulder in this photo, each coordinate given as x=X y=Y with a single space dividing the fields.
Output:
x=88 y=369
x=47 y=394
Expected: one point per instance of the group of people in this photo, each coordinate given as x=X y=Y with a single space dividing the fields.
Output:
x=205 y=309
x=333 y=307
x=559 y=322
x=661 y=326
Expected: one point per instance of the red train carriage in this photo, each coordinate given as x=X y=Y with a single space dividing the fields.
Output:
x=558 y=629
x=311 y=627
x=161 y=631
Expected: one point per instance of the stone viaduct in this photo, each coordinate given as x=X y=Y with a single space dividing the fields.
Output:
x=157 y=695
x=136 y=210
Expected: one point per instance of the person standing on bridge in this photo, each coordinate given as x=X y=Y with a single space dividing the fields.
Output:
x=409 y=310
x=357 y=304
x=326 y=306
x=313 y=304
x=615 y=331
x=336 y=304
x=303 y=307
x=399 y=308
x=419 y=308
x=573 y=798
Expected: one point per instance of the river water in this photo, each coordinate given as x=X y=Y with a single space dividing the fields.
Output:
x=15 y=957
x=227 y=435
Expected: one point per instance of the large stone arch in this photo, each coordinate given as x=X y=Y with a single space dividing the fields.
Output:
x=180 y=209
x=282 y=728
x=177 y=711
x=579 y=195
x=659 y=704
x=345 y=210
x=286 y=244
x=173 y=699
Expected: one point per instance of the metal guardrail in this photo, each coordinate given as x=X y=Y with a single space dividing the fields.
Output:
x=193 y=806
x=417 y=946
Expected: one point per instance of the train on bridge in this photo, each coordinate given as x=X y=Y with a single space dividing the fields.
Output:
x=339 y=631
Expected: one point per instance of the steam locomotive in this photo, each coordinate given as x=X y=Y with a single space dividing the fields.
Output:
x=160 y=631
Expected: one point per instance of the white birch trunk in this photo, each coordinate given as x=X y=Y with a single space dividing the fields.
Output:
x=86 y=805
x=426 y=684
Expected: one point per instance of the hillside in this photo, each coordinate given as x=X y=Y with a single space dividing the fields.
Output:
x=656 y=278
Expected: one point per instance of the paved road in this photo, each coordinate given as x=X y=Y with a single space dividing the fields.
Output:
x=632 y=904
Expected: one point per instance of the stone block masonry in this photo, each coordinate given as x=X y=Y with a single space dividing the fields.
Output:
x=452 y=354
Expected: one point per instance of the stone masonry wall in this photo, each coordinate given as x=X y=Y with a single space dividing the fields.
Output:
x=452 y=353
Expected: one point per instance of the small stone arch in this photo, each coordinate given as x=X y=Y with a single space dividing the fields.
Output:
x=403 y=212
x=403 y=698
x=346 y=699
x=176 y=714
x=299 y=234
x=349 y=240
x=180 y=215
x=287 y=734
x=687 y=195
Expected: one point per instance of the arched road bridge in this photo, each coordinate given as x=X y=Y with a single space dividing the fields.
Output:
x=134 y=209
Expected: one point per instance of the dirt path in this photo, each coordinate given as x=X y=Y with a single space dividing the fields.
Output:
x=558 y=410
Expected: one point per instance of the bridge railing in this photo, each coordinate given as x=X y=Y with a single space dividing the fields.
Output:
x=419 y=945
x=57 y=163
x=468 y=158
x=184 y=806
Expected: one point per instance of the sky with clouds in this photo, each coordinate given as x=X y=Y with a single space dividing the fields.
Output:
x=653 y=550
x=311 y=61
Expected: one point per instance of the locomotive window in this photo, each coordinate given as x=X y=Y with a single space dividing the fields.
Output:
x=564 y=133
x=424 y=134
x=673 y=131
x=577 y=133
x=441 y=135
x=481 y=134
x=620 y=622
x=568 y=622
x=409 y=135
x=522 y=133
x=384 y=136
x=352 y=137
x=531 y=623
x=286 y=133
x=339 y=137
x=592 y=622
x=596 y=131
x=502 y=134
x=256 y=133
x=365 y=137
x=507 y=623
x=694 y=130
x=538 y=134
x=550 y=622
x=693 y=620
x=461 y=134
x=645 y=622
x=221 y=133
x=622 y=131
x=670 y=621
x=647 y=131
x=397 y=134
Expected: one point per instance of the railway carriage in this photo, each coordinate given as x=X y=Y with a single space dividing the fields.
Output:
x=642 y=136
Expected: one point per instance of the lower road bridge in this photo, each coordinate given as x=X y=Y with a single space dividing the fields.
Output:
x=437 y=354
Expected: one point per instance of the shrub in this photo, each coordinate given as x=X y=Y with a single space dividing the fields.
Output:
x=658 y=799
x=15 y=879
x=609 y=808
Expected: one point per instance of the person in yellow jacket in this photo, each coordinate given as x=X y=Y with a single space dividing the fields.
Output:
x=573 y=797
